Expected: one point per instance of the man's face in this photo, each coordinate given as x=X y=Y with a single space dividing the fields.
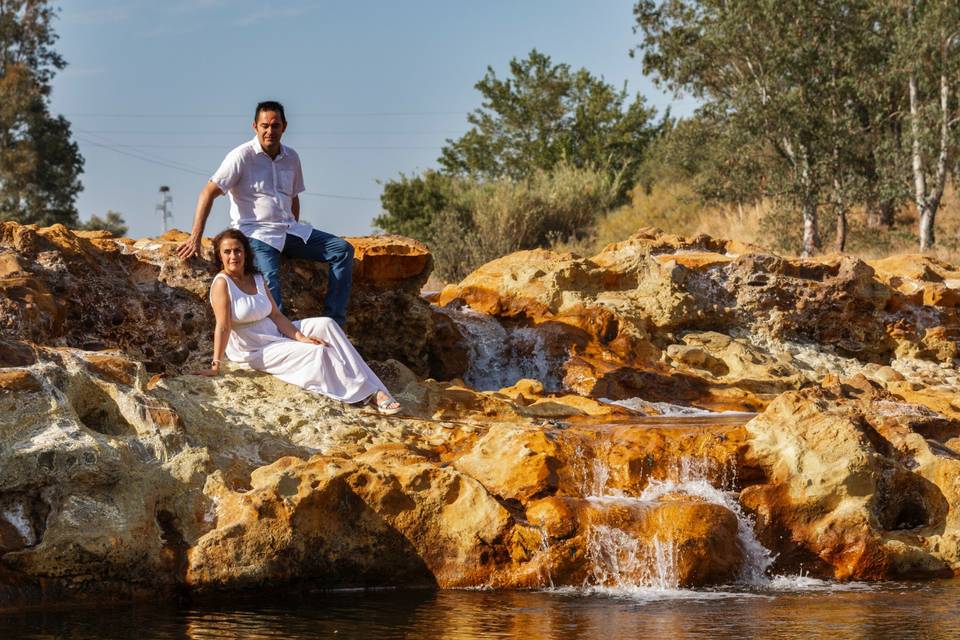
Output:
x=269 y=128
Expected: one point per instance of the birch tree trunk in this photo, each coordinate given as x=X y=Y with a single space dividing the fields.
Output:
x=840 y=207
x=811 y=231
x=929 y=201
x=811 y=223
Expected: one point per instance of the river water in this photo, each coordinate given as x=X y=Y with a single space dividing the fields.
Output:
x=789 y=608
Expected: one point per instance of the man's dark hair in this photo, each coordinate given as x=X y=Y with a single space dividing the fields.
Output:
x=270 y=105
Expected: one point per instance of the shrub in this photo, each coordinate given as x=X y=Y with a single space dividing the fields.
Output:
x=485 y=220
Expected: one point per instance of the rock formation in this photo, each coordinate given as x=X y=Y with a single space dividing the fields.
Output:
x=123 y=476
x=90 y=291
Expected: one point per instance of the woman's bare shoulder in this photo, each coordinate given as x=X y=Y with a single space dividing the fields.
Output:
x=219 y=285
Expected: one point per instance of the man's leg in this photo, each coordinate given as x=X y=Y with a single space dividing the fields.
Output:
x=339 y=254
x=267 y=261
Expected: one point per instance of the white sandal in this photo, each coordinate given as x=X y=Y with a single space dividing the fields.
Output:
x=384 y=408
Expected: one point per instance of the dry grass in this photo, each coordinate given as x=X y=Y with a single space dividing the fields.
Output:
x=676 y=209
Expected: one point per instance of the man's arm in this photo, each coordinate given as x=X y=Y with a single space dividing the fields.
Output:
x=295 y=208
x=204 y=203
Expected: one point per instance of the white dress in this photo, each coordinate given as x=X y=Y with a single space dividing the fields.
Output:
x=337 y=370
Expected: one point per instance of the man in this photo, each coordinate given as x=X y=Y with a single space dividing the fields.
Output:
x=265 y=180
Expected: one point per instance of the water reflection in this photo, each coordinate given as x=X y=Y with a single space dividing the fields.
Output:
x=884 y=611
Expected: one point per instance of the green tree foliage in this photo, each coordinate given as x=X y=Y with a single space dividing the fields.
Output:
x=926 y=59
x=113 y=223
x=541 y=117
x=39 y=164
x=410 y=204
x=545 y=113
x=816 y=92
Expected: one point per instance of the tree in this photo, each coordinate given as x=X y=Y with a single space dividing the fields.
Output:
x=542 y=116
x=806 y=80
x=928 y=51
x=545 y=113
x=114 y=223
x=411 y=204
x=40 y=165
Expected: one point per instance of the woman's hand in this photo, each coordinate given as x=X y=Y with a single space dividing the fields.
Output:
x=212 y=372
x=300 y=337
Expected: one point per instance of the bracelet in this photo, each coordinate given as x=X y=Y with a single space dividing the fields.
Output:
x=214 y=362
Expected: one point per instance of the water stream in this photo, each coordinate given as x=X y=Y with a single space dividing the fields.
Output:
x=500 y=355
x=621 y=562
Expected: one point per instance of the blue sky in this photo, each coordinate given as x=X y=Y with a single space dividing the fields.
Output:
x=157 y=93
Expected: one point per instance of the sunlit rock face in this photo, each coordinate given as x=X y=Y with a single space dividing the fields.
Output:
x=857 y=482
x=718 y=324
x=122 y=477
x=115 y=485
x=91 y=291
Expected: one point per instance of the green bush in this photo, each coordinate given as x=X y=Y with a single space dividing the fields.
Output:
x=485 y=220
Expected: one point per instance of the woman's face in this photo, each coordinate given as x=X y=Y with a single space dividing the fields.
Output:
x=232 y=255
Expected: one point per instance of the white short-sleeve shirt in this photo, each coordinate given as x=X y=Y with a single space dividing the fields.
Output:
x=261 y=192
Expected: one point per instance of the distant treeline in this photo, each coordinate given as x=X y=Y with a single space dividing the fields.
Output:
x=819 y=107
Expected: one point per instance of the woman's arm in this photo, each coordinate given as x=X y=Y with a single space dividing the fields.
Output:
x=220 y=300
x=286 y=327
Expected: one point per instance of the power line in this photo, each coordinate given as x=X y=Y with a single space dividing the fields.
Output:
x=321 y=114
x=297 y=132
x=338 y=197
x=186 y=169
x=162 y=163
x=299 y=146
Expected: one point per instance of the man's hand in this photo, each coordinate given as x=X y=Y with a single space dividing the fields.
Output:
x=189 y=247
x=192 y=246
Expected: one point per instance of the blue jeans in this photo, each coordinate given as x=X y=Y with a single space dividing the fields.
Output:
x=322 y=247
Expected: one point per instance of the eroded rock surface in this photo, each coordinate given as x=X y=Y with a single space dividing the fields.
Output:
x=121 y=476
x=113 y=484
x=91 y=291
x=721 y=325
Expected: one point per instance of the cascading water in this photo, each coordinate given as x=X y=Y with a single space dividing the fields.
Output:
x=757 y=559
x=499 y=356
x=621 y=561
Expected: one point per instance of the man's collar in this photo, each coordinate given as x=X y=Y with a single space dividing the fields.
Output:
x=258 y=148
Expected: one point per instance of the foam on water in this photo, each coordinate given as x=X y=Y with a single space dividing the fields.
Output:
x=643 y=594
x=804 y=583
x=668 y=409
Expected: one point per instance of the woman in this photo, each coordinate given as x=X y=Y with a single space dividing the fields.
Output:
x=313 y=353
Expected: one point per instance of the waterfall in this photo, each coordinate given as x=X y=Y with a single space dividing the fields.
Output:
x=499 y=356
x=618 y=559
x=621 y=561
x=757 y=559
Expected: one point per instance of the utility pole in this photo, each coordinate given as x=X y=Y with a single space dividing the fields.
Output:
x=165 y=206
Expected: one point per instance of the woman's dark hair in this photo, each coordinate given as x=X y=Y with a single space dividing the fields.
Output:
x=233 y=234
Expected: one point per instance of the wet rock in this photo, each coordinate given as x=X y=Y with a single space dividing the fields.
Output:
x=670 y=543
x=120 y=479
x=645 y=316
